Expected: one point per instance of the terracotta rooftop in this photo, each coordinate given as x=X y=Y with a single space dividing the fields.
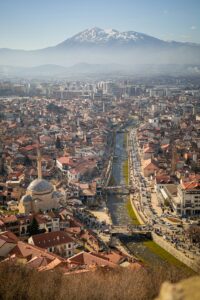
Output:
x=65 y=160
x=9 y=219
x=7 y=237
x=149 y=163
x=24 y=250
x=191 y=185
x=49 y=239
x=89 y=259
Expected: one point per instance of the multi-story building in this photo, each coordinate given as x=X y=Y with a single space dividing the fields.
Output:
x=188 y=203
x=10 y=223
x=58 y=242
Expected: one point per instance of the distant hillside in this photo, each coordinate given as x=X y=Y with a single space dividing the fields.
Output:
x=82 y=69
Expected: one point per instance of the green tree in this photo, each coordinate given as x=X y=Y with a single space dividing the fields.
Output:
x=58 y=143
x=27 y=161
x=34 y=227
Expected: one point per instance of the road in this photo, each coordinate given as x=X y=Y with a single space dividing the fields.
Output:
x=117 y=206
x=149 y=206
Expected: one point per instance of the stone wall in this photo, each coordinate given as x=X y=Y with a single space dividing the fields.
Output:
x=108 y=171
x=176 y=253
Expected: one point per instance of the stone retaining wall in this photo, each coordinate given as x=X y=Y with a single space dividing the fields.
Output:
x=176 y=253
x=138 y=216
x=108 y=171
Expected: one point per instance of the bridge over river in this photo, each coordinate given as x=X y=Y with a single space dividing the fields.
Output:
x=130 y=230
x=133 y=238
x=119 y=189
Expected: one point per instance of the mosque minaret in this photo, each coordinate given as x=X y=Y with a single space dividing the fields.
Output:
x=41 y=195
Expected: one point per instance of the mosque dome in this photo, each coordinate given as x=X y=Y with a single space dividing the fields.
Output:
x=26 y=199
x=40 y=186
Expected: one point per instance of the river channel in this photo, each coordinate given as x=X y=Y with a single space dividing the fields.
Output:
x=117 y=206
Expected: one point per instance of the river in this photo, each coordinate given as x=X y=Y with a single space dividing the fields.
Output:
x=117 y=206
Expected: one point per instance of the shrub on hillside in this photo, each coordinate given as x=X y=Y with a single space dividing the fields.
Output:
x=19 y=282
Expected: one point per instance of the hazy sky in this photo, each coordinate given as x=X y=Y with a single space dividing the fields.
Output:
x=33 y=24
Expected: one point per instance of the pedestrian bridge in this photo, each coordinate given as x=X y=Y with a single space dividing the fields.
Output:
x=116 y=187
x=130 y=229
x=119 y=189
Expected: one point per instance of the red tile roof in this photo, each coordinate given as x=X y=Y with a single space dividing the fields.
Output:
x=150 y=165
x=50 y=239
x=163 y=179
x=89 y=259
x=191 y=185
x=30 y=147
x=9 y=219
x=8 y=237
x=24 y=250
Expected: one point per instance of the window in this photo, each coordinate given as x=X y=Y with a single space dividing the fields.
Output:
x=50 y=249
x=69 y=253
x=23 y=230
x=69 y=245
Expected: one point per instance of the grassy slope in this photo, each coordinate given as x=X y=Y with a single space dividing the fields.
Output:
x=132 y=213
x=151 y=245
x=166 y=256
x=125 y=171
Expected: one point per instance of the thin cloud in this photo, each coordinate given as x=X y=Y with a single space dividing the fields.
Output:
x=185 y=36
x=168 y=36
x=193 y=27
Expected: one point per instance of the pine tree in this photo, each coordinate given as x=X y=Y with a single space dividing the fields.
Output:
x=58 y=143
x=27 y=161
x=34 y=227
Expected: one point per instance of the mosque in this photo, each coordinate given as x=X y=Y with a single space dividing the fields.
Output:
x=41 y=195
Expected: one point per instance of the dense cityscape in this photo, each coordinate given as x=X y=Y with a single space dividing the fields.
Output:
x=61 y=172
x=100 y=150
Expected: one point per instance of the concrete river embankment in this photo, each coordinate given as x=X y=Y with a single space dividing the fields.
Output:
x=146 y=250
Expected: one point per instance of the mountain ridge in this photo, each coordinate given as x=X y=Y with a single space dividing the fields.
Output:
x=107 y=46
x=124 y=35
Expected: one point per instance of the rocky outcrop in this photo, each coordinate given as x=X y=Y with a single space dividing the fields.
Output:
x=188 y=289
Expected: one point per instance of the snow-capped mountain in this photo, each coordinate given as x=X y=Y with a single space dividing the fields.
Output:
x=109 y=46
x=100 y=36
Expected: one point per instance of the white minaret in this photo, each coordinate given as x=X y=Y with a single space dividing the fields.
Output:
x=39 y=163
